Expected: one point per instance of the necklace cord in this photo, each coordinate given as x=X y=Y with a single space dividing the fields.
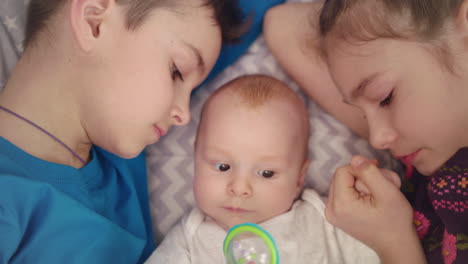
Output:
x=44 y=131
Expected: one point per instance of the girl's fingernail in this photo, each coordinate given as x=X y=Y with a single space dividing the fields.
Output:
x=359 y=162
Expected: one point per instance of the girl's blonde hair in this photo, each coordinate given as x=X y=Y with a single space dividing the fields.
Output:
x=370 y=19
x=424 y=21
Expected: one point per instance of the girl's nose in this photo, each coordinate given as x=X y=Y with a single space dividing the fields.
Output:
x=381 y=132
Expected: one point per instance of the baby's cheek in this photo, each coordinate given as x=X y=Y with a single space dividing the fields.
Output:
x=281 y=203
x=201 y=193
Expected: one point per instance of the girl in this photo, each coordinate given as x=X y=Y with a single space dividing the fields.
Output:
x=399 y=71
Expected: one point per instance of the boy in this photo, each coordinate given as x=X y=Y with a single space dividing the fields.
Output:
x=98 y=81
x=250 y=163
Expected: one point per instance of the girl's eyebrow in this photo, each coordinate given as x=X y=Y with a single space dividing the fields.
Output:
x=361 y=88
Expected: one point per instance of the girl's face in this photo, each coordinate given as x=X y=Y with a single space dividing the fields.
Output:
x=142 y=80
x=414 y=106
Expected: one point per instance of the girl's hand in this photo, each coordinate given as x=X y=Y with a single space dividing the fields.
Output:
x=390 y=175
x=370 y=207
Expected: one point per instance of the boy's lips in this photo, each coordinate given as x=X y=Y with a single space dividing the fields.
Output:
x=159 y=131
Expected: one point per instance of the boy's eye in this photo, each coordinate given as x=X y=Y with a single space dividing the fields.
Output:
x=387 y=101
x=176 y=74
x=266 y=173
x=222 y=166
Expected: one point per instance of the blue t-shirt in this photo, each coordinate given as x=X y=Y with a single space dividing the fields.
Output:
x=52 y=213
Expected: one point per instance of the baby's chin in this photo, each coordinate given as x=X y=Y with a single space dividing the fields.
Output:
x=226 y=225
x=228 y=222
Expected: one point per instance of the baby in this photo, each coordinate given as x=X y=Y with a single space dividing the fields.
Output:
x=250 y=164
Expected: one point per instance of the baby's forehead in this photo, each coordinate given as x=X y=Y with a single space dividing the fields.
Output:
x=279 y=111
x=259 y=95
x=283 y=118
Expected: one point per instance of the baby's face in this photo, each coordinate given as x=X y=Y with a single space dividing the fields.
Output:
x=249 y=163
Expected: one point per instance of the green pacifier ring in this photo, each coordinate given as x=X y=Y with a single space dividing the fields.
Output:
x=252 y=229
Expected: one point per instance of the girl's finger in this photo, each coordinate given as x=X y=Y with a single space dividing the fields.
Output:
x=361 y=188
x=372 y=177
x=392 y=177
x=344 y=184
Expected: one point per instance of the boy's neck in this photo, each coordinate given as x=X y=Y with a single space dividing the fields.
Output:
x=40 y=89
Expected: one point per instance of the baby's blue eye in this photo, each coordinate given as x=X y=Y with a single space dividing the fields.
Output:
x=266 y=173
x=222 y=166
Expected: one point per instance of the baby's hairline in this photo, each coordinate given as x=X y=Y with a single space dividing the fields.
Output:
x=286 y=96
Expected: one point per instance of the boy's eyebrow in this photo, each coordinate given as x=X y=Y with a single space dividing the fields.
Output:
x=361 y=88
x=197 y=53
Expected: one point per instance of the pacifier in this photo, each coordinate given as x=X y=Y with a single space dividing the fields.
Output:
x=250 y=244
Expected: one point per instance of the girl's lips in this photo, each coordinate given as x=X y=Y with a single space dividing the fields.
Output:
x=408 y=159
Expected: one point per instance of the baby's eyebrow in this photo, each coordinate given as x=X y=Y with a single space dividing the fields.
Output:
x=278 y=160
x=214 y=150
x=197 y=53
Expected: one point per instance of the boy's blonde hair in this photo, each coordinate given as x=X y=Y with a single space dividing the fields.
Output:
x=257 y=90
x=227 y=15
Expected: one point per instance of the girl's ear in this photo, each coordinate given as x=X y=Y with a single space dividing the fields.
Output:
x=87 y=18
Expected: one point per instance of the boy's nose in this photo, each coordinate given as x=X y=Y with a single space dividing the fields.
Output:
x=381 y=132
x=240 y=187
x=180 y=114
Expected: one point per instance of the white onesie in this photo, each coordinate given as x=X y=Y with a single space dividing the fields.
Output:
x=302 y=235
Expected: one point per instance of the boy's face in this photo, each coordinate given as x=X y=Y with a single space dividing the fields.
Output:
x=138 y=84
x=249 y=163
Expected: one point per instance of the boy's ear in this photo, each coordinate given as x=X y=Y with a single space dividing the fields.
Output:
x=301 y=179
x=87 y=17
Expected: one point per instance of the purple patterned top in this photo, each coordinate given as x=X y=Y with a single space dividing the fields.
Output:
x=440 y=204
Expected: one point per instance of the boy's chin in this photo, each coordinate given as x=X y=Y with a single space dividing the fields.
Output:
x=126 y=152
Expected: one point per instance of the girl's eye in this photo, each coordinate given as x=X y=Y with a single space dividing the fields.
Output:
x=176 y=74
x=222 y=166
x=387 y=101
x=266 y=173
